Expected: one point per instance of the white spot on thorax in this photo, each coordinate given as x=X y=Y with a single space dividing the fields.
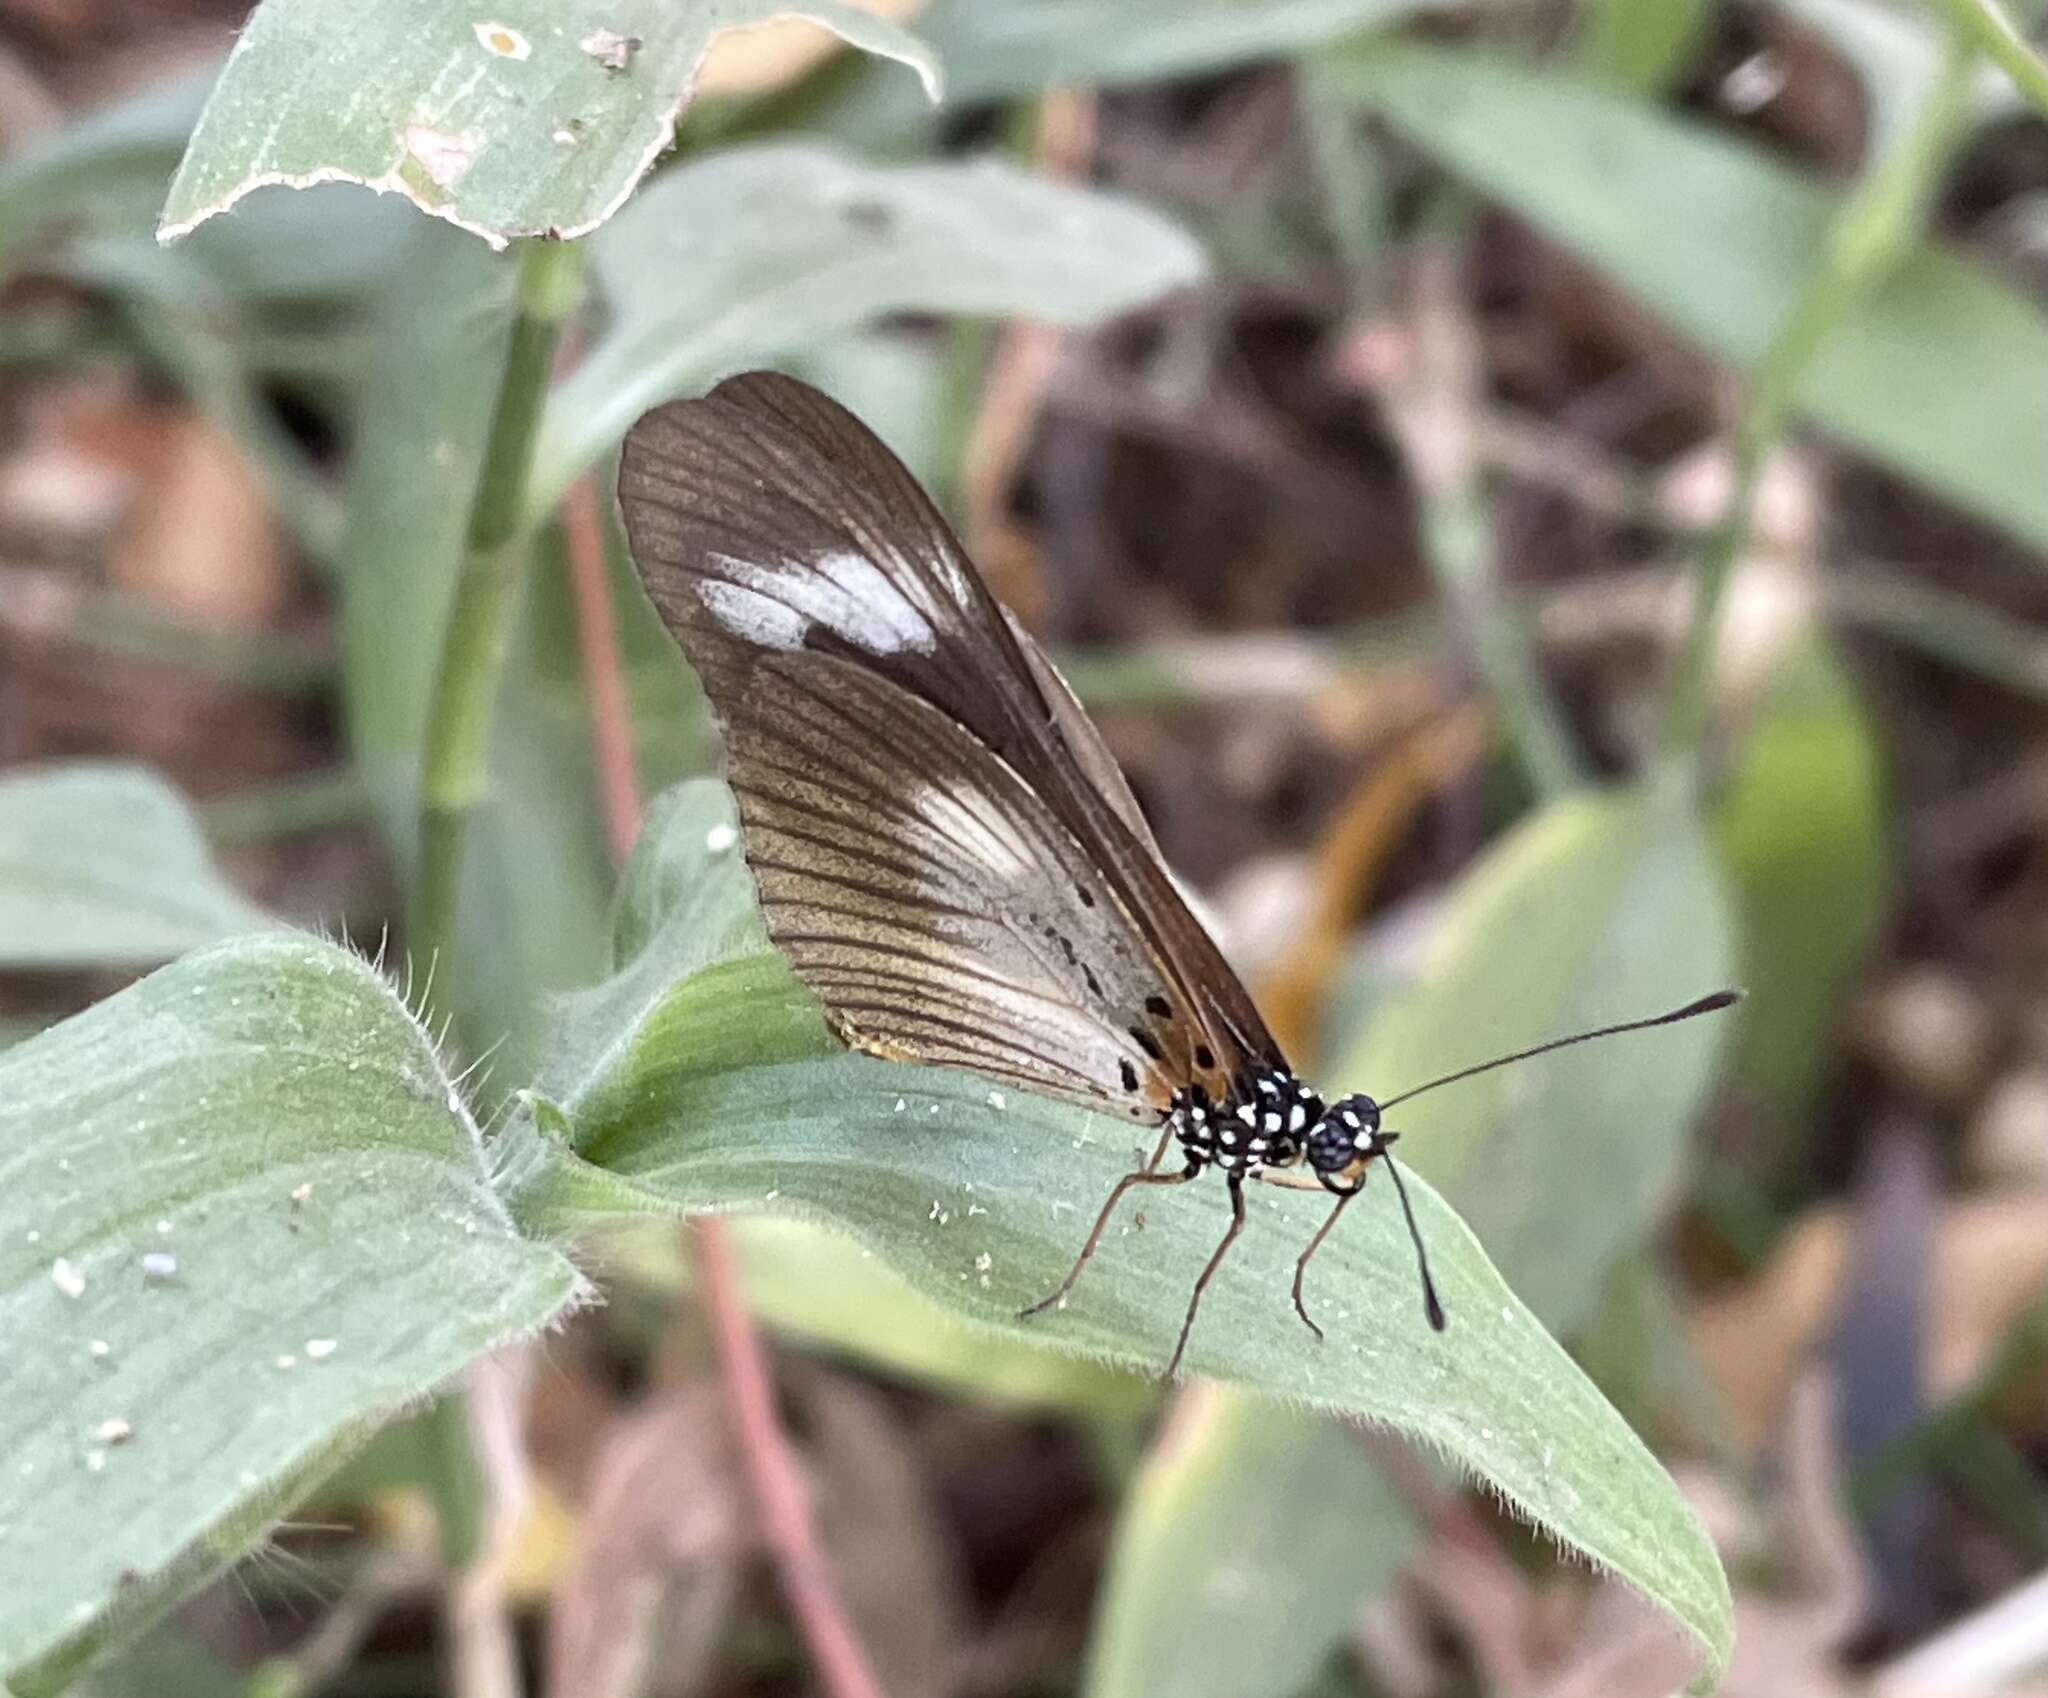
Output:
x=845 y=592
x=67 y=1278
x=720 y=838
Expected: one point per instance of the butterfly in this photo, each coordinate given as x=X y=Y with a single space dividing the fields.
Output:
x=946 y=852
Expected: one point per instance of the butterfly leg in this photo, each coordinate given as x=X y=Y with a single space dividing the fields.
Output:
x=1293 y=1180
x=1315 y=1244
x=1208 y=1272
x=1149 y=1174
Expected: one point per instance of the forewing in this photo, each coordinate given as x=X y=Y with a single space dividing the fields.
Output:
x=945 y=850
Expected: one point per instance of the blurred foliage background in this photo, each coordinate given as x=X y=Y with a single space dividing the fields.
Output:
x=1362 y=400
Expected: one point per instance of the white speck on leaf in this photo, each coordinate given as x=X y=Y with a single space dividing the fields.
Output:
x=70 y=1281
x=159 y=1264
x=720 y=837
x=983 y=1262
x=300 y=1193
x=611 y=49
x=163 y=1226
x=445 y=158
x=113 y=1430
x=95 y=1460
x=996 y=1099
x=318 y=1349
x=99 y=1347
x=287 y=1361
x=505 y=42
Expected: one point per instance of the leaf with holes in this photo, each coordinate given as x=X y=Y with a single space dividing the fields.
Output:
x=529 y=118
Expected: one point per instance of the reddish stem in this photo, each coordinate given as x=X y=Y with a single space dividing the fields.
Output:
x=611 y=719
x=836 y=1652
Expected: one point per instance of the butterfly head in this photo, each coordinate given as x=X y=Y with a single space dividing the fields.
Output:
x=1344 y=1142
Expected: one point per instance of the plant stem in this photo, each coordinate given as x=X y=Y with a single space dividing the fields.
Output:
x=453 y=773
x=1433 y=408
x=453 y=766
x=1981 y=23
x=838 y=1659
x=1876 y=227
x=307 y=802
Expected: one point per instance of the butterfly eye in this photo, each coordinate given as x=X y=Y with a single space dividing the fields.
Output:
x=1347 y=1136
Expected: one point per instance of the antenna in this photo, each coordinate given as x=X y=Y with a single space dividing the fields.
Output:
x=1705 y=1005
x=1430 y=1305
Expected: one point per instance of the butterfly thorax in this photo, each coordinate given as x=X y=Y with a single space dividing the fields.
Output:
x=1261 y=1124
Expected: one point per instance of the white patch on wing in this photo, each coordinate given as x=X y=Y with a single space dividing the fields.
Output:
x=845 y=592
x=974 y=826
x=752 y=616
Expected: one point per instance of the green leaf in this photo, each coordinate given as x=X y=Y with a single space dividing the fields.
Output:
x=268 y=1118
x=810 y=1283
x=1935 y=373
x=701 y=1077
x=1640 y=47
x=439 y=353
x=993 y=48
x=533 y=118
x=1803 y=832
x=102 y=865
x=1597 y=909
x=1245 y=1548
x=760 y=251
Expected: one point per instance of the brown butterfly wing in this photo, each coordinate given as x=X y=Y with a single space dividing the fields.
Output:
x=946 y=852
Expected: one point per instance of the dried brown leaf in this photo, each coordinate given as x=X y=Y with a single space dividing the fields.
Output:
x=1991 y=1261
x=880 y=1524
x=653 y=1579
